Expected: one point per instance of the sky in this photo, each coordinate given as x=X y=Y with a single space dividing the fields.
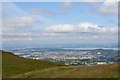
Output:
x=37 y=24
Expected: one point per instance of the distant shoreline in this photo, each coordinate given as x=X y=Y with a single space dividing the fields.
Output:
x=91 y=48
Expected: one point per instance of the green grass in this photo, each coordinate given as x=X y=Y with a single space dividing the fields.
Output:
x=17 y=67
x=99 y=71
x=13 y=65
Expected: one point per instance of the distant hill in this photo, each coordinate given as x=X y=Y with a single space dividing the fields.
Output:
x=17 y=67
x=13 y=65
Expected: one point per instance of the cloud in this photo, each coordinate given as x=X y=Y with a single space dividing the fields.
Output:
x=81 y=31
x=67 y=5
x=20 y=21
x=42 y=11
x=104 y=7
x=23 y=25
x=64 y=5
x=112 y=0
x=100 y=0
x=10 y=9
x=18 y=24
x=15 y=19
x=60 y=28
x=84 y=27
x=18 y=36
x=108 y=8
x=91 y=0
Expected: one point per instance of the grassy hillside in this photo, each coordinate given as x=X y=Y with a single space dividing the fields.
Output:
x=13 y=65
x=99 y=71
x=16 y=67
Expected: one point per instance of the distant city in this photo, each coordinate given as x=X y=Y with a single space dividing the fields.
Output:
x=71 y=56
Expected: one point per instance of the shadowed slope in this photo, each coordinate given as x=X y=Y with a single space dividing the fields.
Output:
x=13 y=64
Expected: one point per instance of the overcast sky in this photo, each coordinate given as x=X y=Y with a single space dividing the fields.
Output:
x=40 y=23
